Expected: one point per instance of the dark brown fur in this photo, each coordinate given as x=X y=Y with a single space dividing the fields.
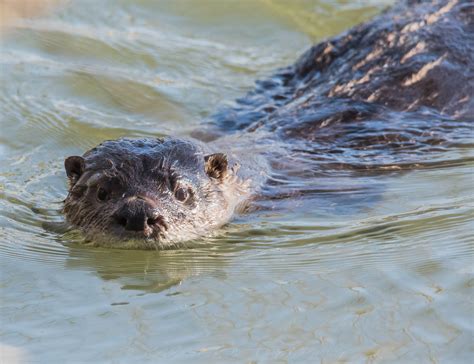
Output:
x=417 y=56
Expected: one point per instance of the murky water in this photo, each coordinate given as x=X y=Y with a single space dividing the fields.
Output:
x=371 y=268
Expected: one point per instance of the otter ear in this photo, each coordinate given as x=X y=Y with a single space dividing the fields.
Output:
x=216 y=165
x=74 y=166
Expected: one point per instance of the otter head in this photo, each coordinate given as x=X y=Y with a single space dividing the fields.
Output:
x=150 y=193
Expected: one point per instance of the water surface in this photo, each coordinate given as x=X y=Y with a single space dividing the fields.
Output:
x=371 y=268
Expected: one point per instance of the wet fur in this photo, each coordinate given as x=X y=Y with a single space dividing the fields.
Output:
x=147 y=169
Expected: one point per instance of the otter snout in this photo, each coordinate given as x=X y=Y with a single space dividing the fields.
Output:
x=139 y=215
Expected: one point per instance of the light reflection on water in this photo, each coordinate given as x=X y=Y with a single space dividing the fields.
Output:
x=375 y=268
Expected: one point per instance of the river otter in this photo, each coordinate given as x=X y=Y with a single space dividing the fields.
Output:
x=395 y=83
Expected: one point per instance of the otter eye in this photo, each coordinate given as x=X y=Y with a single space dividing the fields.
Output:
x=181 y=194
x=102 y=194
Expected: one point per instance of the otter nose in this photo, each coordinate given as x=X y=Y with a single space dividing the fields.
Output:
x=137 y=216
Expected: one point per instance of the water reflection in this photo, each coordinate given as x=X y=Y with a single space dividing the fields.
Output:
x=146 y=271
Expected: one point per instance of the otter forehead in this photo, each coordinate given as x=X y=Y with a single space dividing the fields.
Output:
x=145 y=155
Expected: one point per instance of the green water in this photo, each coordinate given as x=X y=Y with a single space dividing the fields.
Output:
x=391 y=282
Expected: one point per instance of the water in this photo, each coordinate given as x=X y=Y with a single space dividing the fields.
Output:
x=371 y=268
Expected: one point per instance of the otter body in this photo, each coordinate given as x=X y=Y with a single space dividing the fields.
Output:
x=378 y=88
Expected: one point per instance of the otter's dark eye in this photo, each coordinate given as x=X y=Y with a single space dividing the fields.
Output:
x=181 y=194
x=102 y=194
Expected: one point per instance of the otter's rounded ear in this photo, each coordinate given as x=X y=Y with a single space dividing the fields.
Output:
x=74 y=166
x=216 y=165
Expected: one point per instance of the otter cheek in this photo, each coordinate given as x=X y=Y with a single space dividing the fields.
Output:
x=77 y=191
